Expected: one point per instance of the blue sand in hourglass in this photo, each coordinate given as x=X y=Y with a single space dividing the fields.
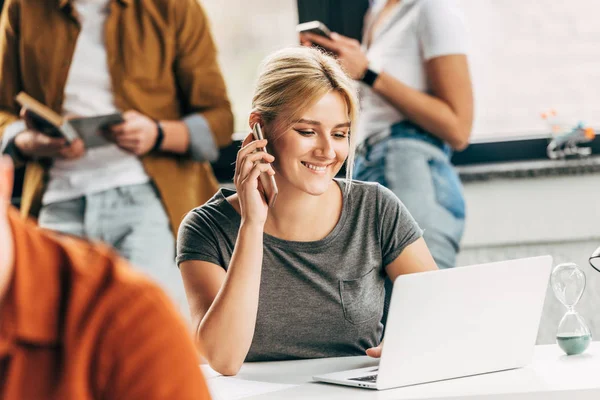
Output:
x=573 y=345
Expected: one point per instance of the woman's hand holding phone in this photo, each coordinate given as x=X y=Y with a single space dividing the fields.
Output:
x=250 y=163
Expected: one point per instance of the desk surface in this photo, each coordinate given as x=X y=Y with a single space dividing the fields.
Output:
x=550 y=376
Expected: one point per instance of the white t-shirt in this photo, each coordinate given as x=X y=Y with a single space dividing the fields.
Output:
x=88 y=92
x=414 y=32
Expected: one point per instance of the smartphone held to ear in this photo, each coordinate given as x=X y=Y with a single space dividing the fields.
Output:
x=267 y=181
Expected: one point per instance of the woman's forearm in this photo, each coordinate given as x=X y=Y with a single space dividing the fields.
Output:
x=431 y=113
x=227 y=329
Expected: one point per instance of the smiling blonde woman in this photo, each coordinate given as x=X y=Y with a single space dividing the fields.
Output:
x=304 y=278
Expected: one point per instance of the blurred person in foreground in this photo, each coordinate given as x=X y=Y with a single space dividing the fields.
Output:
x=154 y=61
x=78 y=323
x=416 y=107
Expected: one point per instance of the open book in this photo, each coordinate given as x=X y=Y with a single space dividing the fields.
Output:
x=53 y=124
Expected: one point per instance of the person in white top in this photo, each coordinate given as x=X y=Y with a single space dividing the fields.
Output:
x=416 y=107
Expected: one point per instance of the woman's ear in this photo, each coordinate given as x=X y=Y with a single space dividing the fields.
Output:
x=255 y=118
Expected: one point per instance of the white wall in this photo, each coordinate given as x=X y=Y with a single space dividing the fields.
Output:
x=245 y=32
x=529 y=56
x=560 y=216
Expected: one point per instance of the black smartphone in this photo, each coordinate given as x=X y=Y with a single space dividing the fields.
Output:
x=267 y=181
x=316 y=27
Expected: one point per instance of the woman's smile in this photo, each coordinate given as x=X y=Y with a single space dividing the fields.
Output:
x=316 y=168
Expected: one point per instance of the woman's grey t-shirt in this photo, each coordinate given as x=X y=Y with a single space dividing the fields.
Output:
x=317 y=299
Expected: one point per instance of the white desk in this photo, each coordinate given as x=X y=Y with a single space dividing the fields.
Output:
x=551 y=376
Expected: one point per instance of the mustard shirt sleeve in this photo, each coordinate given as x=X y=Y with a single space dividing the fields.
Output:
x=10 y=74
x=197 y=70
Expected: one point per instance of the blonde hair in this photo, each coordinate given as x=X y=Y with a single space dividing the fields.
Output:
x=291 y=80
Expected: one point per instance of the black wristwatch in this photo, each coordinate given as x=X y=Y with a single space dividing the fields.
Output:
x=369 y=77
x=159 y=137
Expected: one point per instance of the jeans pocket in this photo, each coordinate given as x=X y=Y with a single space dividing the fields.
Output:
x=362 y=298
x=447 y=187
x=142 y=194
x=370 y=165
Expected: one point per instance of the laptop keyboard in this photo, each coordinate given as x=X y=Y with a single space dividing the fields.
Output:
x=369 y=378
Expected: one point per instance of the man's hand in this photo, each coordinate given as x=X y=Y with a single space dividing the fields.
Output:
x=347 y=50
x=34 y=143
x=137 y=134
x=375 y=352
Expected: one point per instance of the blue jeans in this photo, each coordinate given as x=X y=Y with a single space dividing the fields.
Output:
x=133 y=221
x=416 y=167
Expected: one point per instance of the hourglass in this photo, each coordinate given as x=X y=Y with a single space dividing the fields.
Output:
x=568 y=284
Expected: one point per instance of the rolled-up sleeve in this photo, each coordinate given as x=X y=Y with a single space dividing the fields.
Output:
x=7 y=142
x=200 y=81
x=10 y=131
x=202 y=142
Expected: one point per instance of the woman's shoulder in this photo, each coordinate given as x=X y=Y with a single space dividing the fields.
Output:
x=217 y=210
x=354 y=185
x=366 y=191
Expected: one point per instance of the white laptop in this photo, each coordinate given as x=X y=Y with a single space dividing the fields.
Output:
x=457 y=322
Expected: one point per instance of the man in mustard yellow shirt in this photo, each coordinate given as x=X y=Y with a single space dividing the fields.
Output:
x=155 y=62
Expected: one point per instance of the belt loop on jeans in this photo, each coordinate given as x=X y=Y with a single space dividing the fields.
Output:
x=375 y=138
x=365 y=146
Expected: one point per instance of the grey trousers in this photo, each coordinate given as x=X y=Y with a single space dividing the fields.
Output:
x=133 y=221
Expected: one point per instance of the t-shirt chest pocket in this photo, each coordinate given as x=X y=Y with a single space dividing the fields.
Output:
x=362 y=297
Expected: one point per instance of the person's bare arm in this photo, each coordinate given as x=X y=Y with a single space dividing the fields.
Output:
x=414 y=258
x=224 y=305
x=448 y=111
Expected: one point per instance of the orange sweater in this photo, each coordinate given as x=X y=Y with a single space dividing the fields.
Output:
x=78 y=323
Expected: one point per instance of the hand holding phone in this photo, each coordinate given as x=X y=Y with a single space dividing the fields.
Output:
x=267 y=181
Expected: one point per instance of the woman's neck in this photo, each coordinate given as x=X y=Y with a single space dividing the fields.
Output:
x=299 y=216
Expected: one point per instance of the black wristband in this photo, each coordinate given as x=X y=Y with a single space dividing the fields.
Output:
x=369 y=77
x=159 y=137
